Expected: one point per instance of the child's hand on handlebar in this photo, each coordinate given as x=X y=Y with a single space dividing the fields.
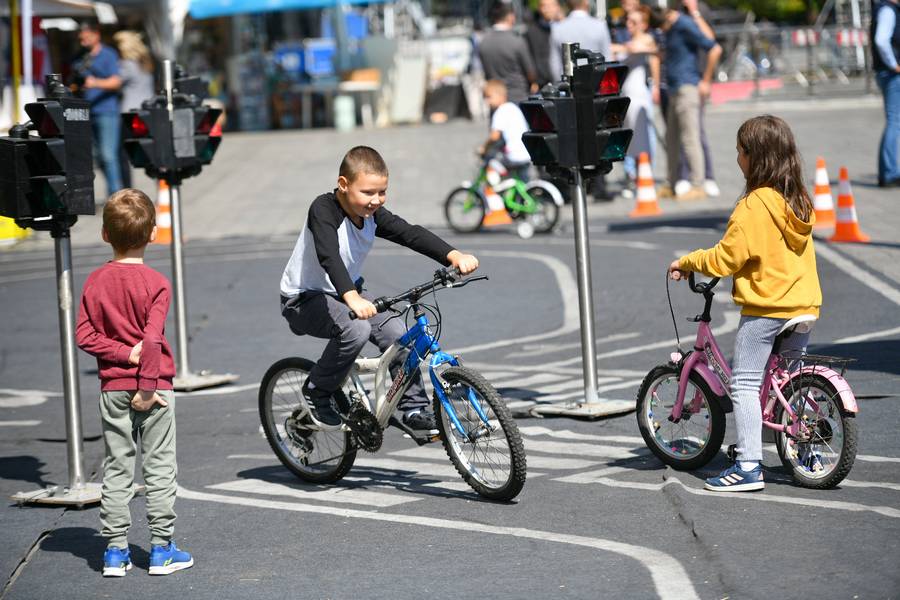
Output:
x=675 y=272
x=359 y=305
x=466 y=263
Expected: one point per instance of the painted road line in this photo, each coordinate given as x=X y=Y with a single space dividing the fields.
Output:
x=873 y=458
x=867 y=336
x=538 y=462
x=541 y=349
x=576 y=449
x=31 y=423
x=592 y=476
x=419 y=468
x=568 y=434
x=506 y=379
x=331 y=494
x=668 y=576
x=221 y=391
x=600 y=389
x=887 y=485
x=22 y=398
x=850 y=268
x=816 y=503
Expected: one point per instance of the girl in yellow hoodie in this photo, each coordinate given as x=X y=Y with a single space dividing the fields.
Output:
x=768 y=249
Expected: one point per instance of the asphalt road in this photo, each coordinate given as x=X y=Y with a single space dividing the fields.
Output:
x=599 y=516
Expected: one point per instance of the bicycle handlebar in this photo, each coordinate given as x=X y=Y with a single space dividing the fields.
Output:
x=702 y=287
x=443 y=277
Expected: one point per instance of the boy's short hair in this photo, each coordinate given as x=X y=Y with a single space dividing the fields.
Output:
x=129 y=218
x=362 y=159
x=495 y=86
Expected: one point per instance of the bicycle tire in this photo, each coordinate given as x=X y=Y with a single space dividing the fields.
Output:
x=546 y=216
x=801 y=462
x=282 y=385
x=469 y=454
x=460 y=203
x=687 y=452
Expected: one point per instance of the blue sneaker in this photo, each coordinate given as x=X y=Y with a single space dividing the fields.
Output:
x=168 y=559
x=733 y=479
x=116 y=561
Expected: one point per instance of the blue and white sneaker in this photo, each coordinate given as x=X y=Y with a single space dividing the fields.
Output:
x=733 y=479
x=168 y=559
x=116 y=561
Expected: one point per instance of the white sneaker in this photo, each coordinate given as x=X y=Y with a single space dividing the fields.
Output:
x=683 y=186
x=712 y=188
x=627 y=193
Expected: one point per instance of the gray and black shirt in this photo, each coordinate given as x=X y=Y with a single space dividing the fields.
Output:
x=331 y=249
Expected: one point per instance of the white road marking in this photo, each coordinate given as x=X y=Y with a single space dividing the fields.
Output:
x=331 y=494
x=538 y=462
x=576 y=449
x=600 y=389
x=867 y=336
x=22 y=398
x=444 y=469
x=453 y=486
x=516 y=379
x=873 y=458
x=864 y=277
x=539 y=349
x=592 y=476
x=221 y=391
x=568 y=434
x=669 y=578
x=26 y=423
x=818 y=502
x=887 y=485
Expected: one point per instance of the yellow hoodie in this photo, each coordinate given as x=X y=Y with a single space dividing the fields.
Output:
x=769 y=250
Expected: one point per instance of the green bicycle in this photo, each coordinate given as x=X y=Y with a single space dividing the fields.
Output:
x=534 y=204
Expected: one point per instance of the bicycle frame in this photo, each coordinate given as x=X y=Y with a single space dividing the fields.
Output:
x=707 y=361
x=514 y=191
x=421 y=345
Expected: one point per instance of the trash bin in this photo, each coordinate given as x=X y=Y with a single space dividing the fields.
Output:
x=344 y=113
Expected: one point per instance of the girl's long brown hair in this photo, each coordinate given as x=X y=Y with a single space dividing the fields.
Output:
x=769 y=145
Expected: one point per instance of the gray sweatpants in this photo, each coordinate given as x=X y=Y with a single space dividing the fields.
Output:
x=122 y=427
x=752 y=348
x=324 y=316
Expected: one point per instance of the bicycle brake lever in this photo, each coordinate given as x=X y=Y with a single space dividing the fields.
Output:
x=464 y=282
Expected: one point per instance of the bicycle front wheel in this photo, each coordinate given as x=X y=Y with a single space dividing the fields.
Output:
x=695 y=438
x=546 y=212
x=312 y=454
x=488 y=454
x=821 y=454
x=464 y=209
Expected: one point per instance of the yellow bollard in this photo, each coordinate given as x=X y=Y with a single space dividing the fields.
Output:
x=10 y=233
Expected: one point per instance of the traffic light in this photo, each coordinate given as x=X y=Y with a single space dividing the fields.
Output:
x=51 y=175
x=552 y=139
x=596 y=85
x=206 y=140
x=145 y=131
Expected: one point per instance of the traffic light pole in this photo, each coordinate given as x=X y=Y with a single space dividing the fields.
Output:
x=185 y=380
x=79 y=492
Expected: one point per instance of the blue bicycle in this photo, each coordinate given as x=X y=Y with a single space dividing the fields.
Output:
x=475 y=426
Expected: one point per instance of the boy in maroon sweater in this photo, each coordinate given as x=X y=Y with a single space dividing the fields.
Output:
x=122 y=321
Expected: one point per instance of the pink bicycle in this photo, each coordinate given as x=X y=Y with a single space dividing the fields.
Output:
x=809 y=405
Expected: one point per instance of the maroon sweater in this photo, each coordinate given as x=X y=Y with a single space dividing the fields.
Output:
x=121 y=305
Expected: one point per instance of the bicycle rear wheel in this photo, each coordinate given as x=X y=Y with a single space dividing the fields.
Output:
x=310 y=453
x=547 y=212
x=822 y=453
x=464 y=209
x=696 y=437
x=490 y=456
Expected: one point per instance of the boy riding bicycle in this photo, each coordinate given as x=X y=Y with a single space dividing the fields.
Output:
x=507 y=126
x=323 y=282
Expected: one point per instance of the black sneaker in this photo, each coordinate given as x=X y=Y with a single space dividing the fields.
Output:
x=320 y=402
x=420 y=420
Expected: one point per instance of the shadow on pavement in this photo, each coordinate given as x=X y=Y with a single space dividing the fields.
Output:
x=87 y=544
x=874 y=355
x=712 y=221
x=23 y=468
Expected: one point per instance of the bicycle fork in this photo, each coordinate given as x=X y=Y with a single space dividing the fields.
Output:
x=441 y=388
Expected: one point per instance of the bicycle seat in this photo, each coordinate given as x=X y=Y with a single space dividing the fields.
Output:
x=801 y=324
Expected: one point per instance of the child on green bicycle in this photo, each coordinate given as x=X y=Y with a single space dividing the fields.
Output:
x=323 y=281
x=507 y=126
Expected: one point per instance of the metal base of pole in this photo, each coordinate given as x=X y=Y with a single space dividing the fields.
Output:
x=596 y=409
x=84 y=495
x=189 y=382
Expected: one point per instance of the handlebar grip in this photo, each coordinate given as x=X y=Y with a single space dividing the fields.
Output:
x=381 y=305
x=702 y=287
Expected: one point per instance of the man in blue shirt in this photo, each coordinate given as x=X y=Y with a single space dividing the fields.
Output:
x=886 y=60
x=684 y=42
x=98 y=81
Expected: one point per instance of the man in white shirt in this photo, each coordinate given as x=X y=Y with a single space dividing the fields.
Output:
x=579 y=28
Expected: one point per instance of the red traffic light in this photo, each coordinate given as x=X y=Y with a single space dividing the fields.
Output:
x=610 y=83
x=137 y=127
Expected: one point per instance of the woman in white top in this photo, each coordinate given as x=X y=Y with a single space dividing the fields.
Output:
x=639 y=53
x=136 y=71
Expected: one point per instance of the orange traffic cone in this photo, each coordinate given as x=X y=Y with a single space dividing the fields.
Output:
x=163 y=214
x=822 y=201
x=847 y=228
x=646 y=190
x=496 y=209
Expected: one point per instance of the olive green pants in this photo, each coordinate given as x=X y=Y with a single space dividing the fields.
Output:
x=123 y=428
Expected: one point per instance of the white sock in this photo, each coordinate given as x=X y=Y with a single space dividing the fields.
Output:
x=748 y=465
